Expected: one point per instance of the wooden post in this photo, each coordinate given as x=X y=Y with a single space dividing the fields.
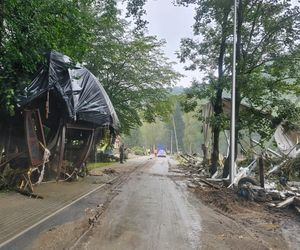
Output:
x=261 y=171
x=61 y=151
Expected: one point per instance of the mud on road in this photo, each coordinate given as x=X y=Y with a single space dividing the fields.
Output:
x=151 y=207
x=272 y=228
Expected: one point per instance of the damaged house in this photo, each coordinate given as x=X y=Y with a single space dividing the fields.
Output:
x=62 y=114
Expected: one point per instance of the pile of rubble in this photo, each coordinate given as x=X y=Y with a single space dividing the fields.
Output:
x=277 y=186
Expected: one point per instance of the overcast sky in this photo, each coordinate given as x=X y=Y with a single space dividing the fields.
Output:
x=171 y=23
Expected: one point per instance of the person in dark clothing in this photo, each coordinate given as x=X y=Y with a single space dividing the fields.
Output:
x=121 y=151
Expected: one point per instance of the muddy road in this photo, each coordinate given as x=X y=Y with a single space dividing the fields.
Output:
x=155 y=210
x=151 y=207
x=149 y=213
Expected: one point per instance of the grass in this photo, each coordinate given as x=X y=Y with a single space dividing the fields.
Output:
x=94 y=165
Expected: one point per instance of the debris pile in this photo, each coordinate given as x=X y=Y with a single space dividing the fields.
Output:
x=193 y=163
x=109 y=171
x=277 y=185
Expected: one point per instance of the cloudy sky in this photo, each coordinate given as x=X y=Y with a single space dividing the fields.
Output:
x=171 y=23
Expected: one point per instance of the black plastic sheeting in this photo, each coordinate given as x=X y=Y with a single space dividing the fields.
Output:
x=81 y=93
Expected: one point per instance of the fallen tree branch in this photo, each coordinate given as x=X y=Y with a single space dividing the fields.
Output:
x=208 y=183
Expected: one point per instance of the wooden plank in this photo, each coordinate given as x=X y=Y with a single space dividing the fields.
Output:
x=208 y=183
x=86 y=150
x=285 y=203
x=34 y=149
x=61 y=151
x=78 y=126
x=39 y=127
x=261 y=172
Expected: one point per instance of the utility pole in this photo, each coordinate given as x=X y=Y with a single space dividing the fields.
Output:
x=232 y=130
x=171 y=142
x=175 y=134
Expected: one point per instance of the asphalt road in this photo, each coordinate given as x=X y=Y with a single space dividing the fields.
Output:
x=150 y=212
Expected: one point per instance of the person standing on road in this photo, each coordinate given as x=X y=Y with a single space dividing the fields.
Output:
x=121 y=151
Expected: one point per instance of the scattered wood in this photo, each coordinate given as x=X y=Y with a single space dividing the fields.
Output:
x=285 y=203
x=29 y=194
x=298 y=209
x=95 y=174
x=261 y=172
x=192 y=185
x=275 y=195
x=294 y=183
x=109 y=171
x=12 y=157
x=208 y=183
x=297 y=201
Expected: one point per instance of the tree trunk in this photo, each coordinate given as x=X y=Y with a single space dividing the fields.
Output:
x=218 y=109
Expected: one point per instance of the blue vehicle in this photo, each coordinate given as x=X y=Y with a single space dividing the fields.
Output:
x=161 y=153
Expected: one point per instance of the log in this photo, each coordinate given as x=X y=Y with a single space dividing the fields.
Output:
x=285 y=203
x=29 y=194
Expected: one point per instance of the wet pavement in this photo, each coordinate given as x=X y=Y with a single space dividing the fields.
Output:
x=150 y=212
x=150 y=207
x=19 y=213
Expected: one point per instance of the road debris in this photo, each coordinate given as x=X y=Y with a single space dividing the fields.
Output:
x=277 y=187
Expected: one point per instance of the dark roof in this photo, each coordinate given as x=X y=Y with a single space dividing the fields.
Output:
x=80 y=91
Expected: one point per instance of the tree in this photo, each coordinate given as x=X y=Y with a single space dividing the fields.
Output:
x=208 y=55
x=135 y=138
x=130 y=65
x=193 y=138
x=30 y=28
x=267 y=38
x=132 y=69
x=135 y=9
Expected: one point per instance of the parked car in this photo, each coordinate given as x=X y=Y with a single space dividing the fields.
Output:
x=161 y=153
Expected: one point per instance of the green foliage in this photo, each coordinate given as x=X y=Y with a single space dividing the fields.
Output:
x=130 y=65
x=94 y=165
x=193 y=138
x=135 y=138
x=30 y=28
x=135 y=8
x=267 y=60
x=138 y=150
x=188 y=130
x=132 y=69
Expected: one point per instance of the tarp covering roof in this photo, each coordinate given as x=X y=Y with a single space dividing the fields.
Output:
x=82 y=94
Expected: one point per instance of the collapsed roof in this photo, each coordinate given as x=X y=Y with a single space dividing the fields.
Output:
x=287 y=137
x=81 y=94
